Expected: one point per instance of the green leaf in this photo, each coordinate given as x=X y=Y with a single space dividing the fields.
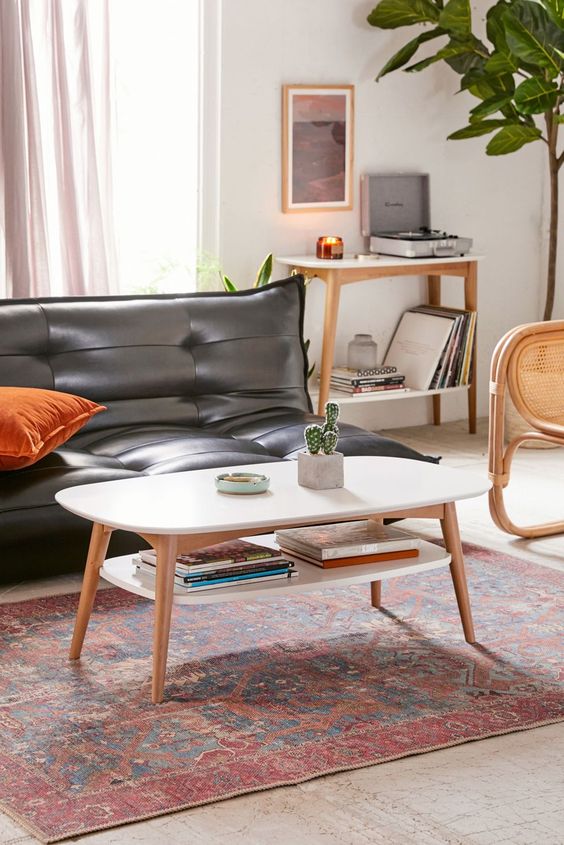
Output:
x=483 y=85
x=512 y=138
x=555 y=9
x=465 y=62
x=445 y=53
x=489 y=106
x=495 y=26
x=499 y=63
x=536 y=95
x=389 y=14
x=264 y=272
x=532 y=36
x=476 y=129
x=228 y=285
x=456 y=17
x=408 y=50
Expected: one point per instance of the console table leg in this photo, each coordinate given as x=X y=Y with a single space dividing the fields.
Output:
x=471 y=304
x=99 y=540
x=165 y=547
x=376 y=594
x=451 y=536
x=332 y=296
x=434 y=298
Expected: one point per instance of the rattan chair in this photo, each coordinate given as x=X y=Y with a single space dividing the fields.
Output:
x=527 y=365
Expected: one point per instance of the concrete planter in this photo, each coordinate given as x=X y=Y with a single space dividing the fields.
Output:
x=321 y=472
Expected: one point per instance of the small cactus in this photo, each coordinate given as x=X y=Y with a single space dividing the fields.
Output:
x=329 y=442
x=314 y=438
x=323 y=438
x=331 y=414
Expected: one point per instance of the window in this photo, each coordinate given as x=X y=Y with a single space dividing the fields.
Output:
x=155 y=55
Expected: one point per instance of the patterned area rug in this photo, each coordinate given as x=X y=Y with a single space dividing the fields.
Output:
x=264 y=694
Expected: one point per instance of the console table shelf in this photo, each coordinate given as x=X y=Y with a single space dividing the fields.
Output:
x=335 y=273
x=345 y=399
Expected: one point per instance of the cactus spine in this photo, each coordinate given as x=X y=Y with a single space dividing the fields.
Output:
x=323 y=438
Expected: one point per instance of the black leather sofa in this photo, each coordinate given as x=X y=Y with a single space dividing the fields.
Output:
x=190 y=381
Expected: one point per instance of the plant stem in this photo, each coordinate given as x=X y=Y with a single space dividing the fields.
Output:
x=553 y=165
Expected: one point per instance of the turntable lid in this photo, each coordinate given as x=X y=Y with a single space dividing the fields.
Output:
x=395 y=202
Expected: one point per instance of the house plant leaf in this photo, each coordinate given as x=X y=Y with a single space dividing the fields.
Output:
x=475 y=129
x=531 y=35
x=512 y=138
x=264 y=273
x=401 y=58
x=535 y=96
x=389 y=14
x=456 y=17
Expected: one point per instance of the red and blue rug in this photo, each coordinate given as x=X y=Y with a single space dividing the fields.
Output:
x=264 y=694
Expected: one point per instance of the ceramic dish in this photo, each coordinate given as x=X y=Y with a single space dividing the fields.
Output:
x=242 y=482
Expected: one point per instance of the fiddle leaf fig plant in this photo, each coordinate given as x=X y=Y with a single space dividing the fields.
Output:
x=517 y=74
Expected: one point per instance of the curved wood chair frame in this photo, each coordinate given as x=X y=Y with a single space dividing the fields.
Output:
x=527 y=364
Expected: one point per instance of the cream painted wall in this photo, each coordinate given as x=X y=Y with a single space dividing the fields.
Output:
x=401 y=124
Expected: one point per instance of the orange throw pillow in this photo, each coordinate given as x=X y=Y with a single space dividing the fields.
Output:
x=33 y=422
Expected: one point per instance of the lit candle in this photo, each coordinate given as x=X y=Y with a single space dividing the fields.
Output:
x=329 y=246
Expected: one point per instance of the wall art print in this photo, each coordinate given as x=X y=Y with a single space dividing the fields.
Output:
x=317 y=147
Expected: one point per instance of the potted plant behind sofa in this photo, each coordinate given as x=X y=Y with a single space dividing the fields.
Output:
x=518 y=77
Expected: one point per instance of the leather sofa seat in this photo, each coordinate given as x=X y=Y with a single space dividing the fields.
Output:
x=190 y=382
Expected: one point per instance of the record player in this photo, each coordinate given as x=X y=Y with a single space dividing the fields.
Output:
x=396 y=218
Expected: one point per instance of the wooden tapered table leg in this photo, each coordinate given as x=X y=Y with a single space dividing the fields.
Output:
x=453 y=545
x=165 y=546
x=376 y=593
x=332 y=295
x=99 y=540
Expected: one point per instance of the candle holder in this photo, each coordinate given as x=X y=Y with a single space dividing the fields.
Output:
x=329 y=246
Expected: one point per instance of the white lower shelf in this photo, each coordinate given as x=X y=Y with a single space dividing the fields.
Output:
x=121 y=572
x=382 y=396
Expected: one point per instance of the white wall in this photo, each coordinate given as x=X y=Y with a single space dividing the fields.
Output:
x=401 y=123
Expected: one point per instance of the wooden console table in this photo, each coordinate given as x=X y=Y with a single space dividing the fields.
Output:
x=344 y=271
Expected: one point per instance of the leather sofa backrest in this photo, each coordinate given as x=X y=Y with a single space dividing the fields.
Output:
x=191 y=359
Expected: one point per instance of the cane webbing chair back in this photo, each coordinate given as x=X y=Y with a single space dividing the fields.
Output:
x=528 y=366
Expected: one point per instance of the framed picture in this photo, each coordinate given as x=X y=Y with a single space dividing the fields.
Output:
x=317 y=147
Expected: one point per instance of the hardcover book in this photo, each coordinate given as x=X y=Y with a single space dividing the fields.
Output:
x=346 y=539
x=359 y=560
x=417 y=346
x=210 y=557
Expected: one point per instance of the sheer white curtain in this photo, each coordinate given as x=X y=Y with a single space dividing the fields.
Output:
x=99 y=128
x=55 y=152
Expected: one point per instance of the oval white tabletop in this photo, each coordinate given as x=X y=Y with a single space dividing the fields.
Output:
x=188 y=503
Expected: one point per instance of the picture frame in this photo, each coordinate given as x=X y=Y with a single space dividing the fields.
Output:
x=317 y=147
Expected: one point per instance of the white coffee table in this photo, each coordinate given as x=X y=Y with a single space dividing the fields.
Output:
x=183 y=511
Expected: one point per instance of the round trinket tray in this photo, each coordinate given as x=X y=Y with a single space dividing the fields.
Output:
x=242 y=482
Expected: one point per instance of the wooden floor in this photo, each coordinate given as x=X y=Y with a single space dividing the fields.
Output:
x=502 y=791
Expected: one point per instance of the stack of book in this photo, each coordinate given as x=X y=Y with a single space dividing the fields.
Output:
x=360 y=382
x=433 y=346
x=222 y=565
x=347 y=544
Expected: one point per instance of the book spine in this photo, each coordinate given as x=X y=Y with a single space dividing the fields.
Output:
x=368 y=382
x=357 y=391
x=240 y=572
x=233 y=583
